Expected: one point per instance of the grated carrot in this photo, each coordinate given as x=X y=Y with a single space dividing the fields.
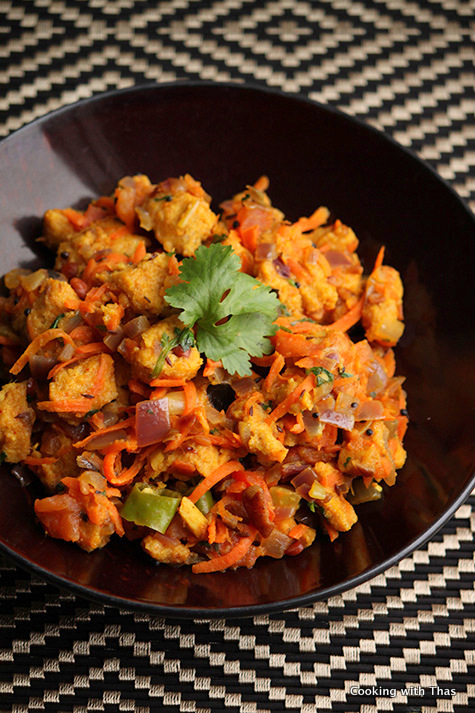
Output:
x=38 y=343
x=214 y=477
x=232 y=558
x=283 y=407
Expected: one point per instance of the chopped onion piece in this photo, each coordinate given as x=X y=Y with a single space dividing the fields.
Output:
x=34 y=280
x=41 y=365
x=304 y=481
x=176 y=403
x=276 y=544
x=335 y=418
x=71 y=322
x=152 y=421
x=266 y=251
x=377 y=378
x=113 y=339
x=369 y=411
x=89 y=461
x=281 y=268
x=243 y=386
x=338 y=259
x=136 y=326
x=66 y=353
x=290 y=469
x=312 y=425
x=102 y=440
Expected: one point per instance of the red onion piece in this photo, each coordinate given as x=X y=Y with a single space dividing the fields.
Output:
x=41 y=365
x=102 y=440
x=312 y=256
x=89 y=461
x=66 y=352
x=338 y=259
x=290 y=469
x=281 y=268
x=312 y=425
x=243 y=386
x=335 y=418
x=377 y=378
x=266 y=251
x=152 y=421
x=113 y=339
x=369 y=411
x=176 y=402
x=136 y=326
x=70 y=323
x=276 y=544
x=304 y=481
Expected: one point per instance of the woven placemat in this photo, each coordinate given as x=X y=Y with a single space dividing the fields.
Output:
x=401 y=642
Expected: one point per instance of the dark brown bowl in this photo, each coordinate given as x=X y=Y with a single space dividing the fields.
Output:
x=226 y=136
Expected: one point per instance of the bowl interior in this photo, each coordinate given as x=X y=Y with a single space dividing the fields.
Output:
x=227 y=136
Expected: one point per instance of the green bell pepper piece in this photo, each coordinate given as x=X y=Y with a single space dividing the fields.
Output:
x=205 y=503
x=146 y=506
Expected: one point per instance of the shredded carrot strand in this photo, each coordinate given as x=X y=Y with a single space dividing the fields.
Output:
x=46 y=460
x=350 y=318
x=232 y=558
x=139 y=253
x=167 y=382
x=190 y=397
x=262 y=183
x=379 y=259
x=292 y=398
x=126 y=423
x=214 y=477
x=277 y=366
x=318 y=218
x=38 y=343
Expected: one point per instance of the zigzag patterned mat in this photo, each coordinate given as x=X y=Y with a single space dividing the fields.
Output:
x=405 y=66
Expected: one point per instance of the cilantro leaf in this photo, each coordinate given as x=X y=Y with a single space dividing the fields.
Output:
x=323 y=375
x=232 y=312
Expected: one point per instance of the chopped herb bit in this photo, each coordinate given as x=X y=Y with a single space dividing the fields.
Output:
x=183 y=338
x=267 y=406
x=3 y=457
x=170 y=254
x=323 y=375
x=218 y=238
x=244 y=198
x=214 y=431
x=166 y=198
x=344 y=374
x=372 y=394
x=293 y=282
x=286 y=329
x=348 y=460
x=311 y=506
x=284 y=311
x=91 y=413
x=54 y=325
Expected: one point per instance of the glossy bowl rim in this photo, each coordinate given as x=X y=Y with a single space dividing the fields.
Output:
x=309 y=598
